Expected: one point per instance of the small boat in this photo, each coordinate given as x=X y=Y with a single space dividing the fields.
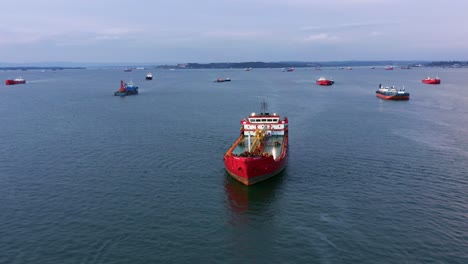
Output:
x=126 y=89
x=430 y=80
x=248 y=69
x=349 y=68
x=149 y=76
x=324 y=81
x=260 y=151
x=18 y=80
x=290 y=69
x=392 y=93
x=223 y=80
x=127 y=70
x=372 y=67
x=405 y=67
x=389 y=68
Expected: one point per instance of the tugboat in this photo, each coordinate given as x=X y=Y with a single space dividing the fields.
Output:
x=126 y=89
x=149 y=76
x=260 y=151
x=391 y=93
x=223 y=80
x=18 y=80
x=430 y=80
x=324 y=81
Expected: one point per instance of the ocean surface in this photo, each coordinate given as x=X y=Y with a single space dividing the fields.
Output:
x=87 y=177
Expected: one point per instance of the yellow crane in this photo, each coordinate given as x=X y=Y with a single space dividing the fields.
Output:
x=257 y=144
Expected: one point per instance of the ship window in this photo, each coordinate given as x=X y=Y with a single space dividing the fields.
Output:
x=275 y=120
x=263 y=120
x=269 y=120
x=257 y=120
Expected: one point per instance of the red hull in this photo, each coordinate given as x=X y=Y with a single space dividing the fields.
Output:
x=324 y=82
x=11 y=82
x=431 y=81
x=392 y=97
x=251 y=170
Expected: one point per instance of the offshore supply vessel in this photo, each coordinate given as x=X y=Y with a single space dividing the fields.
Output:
x=260 y=151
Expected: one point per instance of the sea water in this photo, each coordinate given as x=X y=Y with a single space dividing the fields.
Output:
x=88 y=177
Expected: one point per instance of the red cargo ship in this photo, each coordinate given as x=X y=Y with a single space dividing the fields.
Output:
x=15 y=81
x=324 y=81
x=430 y=80
x=260 y=151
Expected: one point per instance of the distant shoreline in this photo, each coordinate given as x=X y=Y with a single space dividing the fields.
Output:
x=243 y=65
x=254 y=64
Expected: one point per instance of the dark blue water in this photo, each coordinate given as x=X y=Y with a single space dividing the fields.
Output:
x=86 y=177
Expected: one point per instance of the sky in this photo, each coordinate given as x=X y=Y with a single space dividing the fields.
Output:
x=180 y=31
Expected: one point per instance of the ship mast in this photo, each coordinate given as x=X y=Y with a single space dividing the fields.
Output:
x=264 y=108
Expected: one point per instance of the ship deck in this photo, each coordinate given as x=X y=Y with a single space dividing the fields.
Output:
x=271 y=146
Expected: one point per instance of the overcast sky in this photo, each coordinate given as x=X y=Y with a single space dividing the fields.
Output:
x=153 y=31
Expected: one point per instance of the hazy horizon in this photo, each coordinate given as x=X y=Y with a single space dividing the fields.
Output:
x=141 y=32
x=131 y=64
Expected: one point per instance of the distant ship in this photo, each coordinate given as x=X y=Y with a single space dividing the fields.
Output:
x=126 y=89
x=430 y=80
x=18 y=80
x=223 y=80
x=127 y=70
x=288 y=69
x=149 y=76
x=324 y=81
x=248 y=69
x=391 y=93
x=260 y=151
x=389 y=68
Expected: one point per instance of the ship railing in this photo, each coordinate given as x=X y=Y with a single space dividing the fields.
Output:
x=229 y=152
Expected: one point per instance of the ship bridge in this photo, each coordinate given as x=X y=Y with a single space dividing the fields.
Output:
x=272 y=124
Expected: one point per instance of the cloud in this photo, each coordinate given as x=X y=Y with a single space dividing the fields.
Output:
x=349 y=25
x=66 y=35
x=375 y=34
x=320 y=3
x=321 y=38
x=237 y=34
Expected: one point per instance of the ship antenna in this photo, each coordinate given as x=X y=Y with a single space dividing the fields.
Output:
x=264 y=107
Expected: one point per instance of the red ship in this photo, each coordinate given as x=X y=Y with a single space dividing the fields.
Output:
x=15 y=81
x=260 y=151
x=324 y=81
x=430 y=80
